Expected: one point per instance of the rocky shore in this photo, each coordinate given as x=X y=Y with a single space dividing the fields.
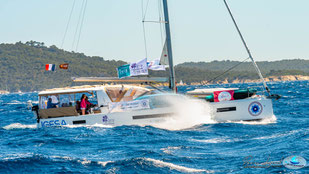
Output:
x=268 y=79
x=4 y=92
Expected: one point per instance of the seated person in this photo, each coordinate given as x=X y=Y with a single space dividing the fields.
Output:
x=77 y=107
x=50 y=104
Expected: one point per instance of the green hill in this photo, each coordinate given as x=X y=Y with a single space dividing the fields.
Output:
x=22 y=67
x=265 y=66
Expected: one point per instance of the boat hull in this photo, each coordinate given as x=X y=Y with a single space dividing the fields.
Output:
x=249 y=109
x=140 y=117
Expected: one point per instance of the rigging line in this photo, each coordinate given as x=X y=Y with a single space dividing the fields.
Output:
x=81 y=25
x=144 y=30
x=229 y=69
x=248 y=51
x=144 y=15
x=78 y=23
x=67 y=27
x=160 y=19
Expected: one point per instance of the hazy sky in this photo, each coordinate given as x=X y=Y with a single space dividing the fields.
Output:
x=201 y=29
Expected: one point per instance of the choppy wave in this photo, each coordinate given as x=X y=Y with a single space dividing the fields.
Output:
x=189 y=143
x=172 y=166
x=217 y=140
x=20 y=126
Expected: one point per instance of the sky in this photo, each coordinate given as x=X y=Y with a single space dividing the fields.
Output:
x=201 y=29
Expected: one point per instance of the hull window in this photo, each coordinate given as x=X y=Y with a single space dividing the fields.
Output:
x=226 y=109
x=151 y=116
x=79 y=122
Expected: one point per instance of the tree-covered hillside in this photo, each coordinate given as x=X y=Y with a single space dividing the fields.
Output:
x=265 y=66
x=22 y=67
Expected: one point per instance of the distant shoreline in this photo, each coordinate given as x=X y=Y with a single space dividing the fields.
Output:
x=267 y=79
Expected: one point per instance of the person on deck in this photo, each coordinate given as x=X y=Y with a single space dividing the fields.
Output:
x=83 y=104
x=50 y=104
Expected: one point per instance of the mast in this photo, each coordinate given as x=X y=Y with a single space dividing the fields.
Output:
x=248 y=51
x=169 y=46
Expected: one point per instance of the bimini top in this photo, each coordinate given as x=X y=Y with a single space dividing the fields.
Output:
x=85 y=88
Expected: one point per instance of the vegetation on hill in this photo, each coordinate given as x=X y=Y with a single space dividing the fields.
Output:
x=22 y=67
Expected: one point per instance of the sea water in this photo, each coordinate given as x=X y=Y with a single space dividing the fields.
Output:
x=193 y=143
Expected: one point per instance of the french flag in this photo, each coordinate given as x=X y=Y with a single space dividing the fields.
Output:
x=50 y=67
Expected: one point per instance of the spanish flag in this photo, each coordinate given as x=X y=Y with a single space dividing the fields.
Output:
x=64 y=66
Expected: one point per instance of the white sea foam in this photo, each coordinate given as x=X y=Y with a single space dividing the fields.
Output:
x=14 y=102
x=187 y=113
x=19 y=126
x=104 y=163
x=84 y=161
x=17 y=156
x=63 y=157
x=172 y=166
x=169 y=149
x=269 y=120
x=216 y=140
x=278 y=135
x=89 y=126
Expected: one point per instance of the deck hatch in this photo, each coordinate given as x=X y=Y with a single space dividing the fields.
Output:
x=227 y=109
x=79 y=122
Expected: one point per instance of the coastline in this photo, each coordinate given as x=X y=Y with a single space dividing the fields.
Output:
x=267 y=79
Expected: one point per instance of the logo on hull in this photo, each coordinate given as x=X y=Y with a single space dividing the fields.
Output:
x=255 y=108
x=53 y=123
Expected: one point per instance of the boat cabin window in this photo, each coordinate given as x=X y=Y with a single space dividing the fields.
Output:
x=119 y=94
x=65 y=100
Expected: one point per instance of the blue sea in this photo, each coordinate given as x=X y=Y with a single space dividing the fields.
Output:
x=254 y=147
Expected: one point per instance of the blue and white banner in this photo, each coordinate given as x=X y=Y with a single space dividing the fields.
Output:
x=128 y=106
x=139 y=68
x=133 y=69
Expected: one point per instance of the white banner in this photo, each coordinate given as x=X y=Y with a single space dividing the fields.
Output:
x=129 y=106
x=139 y=68
x=155 y=66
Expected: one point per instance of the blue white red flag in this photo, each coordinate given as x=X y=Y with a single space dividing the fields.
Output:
x=50 y=67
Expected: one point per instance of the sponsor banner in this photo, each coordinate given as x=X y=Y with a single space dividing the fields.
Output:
x=223 y=95
x=133 y=69
x=128 y=106
x=139 y=68
x=124 y=71
x=155 y=65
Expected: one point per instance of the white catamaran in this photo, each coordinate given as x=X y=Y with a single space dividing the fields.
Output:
x=126 y=104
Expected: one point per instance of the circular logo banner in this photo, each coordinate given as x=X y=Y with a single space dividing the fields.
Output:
x=224 y=96
x=255 y=108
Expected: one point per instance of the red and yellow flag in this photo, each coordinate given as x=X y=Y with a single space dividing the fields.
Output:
x=64 y=66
